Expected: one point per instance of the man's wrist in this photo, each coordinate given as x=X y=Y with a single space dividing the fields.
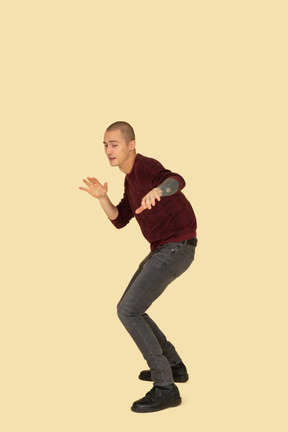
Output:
x=103 y=199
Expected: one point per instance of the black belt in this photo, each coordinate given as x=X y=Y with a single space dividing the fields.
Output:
x=192 y=241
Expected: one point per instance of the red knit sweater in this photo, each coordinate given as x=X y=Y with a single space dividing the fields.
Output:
x=171 y=220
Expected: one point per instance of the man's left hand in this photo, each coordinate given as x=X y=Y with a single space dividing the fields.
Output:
x=149 y=200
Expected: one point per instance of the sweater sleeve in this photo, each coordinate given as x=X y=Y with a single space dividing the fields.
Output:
x=158 y=174
x=125 y=213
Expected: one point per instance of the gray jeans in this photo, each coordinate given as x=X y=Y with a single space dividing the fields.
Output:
x=154 y=274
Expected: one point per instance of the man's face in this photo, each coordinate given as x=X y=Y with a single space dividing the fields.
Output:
x=116 y=148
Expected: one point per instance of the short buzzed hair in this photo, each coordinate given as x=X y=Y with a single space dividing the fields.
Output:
x=126 y=129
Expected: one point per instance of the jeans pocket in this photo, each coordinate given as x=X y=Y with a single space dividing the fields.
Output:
x=164 y=255
x=186 y=257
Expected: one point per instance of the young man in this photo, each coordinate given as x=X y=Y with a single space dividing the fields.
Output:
x=153 y=196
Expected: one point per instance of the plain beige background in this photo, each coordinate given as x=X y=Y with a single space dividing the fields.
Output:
x=205 y=86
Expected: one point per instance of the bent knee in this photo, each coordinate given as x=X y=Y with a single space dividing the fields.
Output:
x=121 y=312
x=124 y=311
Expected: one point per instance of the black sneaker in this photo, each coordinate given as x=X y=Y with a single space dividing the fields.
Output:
x=179 y=373
x=157 y=399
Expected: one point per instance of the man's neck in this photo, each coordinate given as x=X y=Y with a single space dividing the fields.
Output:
x=127 y=167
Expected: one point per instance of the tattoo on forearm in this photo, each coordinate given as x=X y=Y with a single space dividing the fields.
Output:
x=169 y=187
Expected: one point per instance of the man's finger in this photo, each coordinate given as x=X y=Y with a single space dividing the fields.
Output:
x=140 y=209
x=158 y=196
x=84 y=189
x=92 y=180
x=95 y=181
x=148 y=203
x=143 y=204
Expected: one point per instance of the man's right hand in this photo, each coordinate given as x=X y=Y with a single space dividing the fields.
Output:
x=95 y=188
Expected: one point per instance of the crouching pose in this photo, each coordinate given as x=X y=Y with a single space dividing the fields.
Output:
x=152 y=194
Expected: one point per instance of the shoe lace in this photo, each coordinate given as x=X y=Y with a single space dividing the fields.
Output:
x=151 y=392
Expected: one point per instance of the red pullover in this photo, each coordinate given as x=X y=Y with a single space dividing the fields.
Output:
x=171 y=220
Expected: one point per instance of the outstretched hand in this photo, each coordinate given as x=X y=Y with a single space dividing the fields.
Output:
x=149 y=200
x=94 y=187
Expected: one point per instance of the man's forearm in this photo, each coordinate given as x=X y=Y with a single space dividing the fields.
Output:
x=110 y=210
x=169 y=187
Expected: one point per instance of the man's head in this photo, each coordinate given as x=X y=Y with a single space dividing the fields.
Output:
x=126 y=130
x=119 y=142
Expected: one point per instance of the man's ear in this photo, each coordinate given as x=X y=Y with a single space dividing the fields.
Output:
x=132 y=144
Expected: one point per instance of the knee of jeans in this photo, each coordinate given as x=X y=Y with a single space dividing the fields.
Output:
x=124 y=311
x=120 y=311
